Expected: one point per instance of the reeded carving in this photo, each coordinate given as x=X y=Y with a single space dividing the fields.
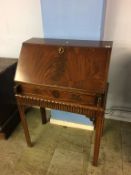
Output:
x=70 y=107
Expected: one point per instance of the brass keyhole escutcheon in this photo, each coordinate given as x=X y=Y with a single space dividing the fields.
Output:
x=61 y=50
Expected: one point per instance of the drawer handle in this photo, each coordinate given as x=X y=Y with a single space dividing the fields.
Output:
x=61 y=50
x=17 y=88
x=55 y=94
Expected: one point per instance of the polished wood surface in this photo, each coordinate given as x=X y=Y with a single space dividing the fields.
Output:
x=69 y=42
x=55 y=68
x=69 y=75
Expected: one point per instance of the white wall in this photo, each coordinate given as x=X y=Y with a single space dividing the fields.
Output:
x=19 y=20
x=118 y=29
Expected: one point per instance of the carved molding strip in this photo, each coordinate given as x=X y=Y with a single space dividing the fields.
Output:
x=70 y=107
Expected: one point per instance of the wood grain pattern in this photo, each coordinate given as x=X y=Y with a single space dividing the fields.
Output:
x=54 y=93
x=65 y=75
x=90 y=65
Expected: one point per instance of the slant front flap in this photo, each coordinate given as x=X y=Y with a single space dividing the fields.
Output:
x=67 y=66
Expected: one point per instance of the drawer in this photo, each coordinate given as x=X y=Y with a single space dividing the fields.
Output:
x=59 y=94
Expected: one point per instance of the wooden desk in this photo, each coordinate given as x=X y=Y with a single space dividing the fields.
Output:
x=69 y=75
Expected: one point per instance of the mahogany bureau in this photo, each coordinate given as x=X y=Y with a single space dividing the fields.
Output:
x=69 y=75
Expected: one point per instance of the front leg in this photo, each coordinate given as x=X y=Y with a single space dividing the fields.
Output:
x=21 y=109
x=98 y=134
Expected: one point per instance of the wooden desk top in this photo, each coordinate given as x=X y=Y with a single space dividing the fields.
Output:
x=68 y=64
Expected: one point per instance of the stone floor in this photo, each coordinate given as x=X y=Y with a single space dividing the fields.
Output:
x=65 y=151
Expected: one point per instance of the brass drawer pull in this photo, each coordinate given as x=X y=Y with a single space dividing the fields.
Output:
x=61 y=50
